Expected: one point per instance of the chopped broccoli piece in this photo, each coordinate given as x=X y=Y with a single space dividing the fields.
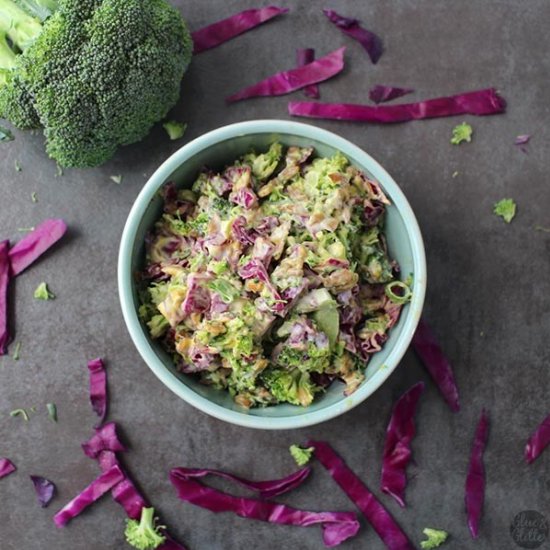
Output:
x=293 y=386
x=264 y=165
x=5 y=134
x=462 y=132
x=225 y=289
x=52 y=411
x=34 y=197
x=43 y=293
x=20 y=412
x=158 y=325
x=144 y=535
x=117 y=179
x=436 y=538
x=94 y=75
x=506 y=209
x=175 y=129
x=300 y=455
x=17 y=351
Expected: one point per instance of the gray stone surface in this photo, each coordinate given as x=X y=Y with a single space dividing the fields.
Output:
x=488 y=297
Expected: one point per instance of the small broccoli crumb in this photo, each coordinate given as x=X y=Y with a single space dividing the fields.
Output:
x=17 y=351
x=52 y=411
x=175 y=129
x=43 y=293
x=506 y=209
x=25 y=229
x=34 y=197
x=144 y=535
x=5 y=134
x=117 y=179
x=20 y=412
x=436 y=538
x=58 y=171
x=17 y=166
x=542 y=228
x=462 y=132
x=300 y=455
x=455 y=174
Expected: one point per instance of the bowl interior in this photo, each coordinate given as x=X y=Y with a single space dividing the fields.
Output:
x=215 y=155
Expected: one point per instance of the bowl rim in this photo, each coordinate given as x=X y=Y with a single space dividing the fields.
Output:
x=125 y=276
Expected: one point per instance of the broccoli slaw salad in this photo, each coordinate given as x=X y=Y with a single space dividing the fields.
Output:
x=271 y=279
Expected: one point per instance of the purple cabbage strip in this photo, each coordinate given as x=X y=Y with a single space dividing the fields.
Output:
x=430 y=353
x=104 y=439
x=125 y=493
x=289 y=81
x=7 y=467
x=303 y=57
x=98 y=388
x=380 y=519
x=381 y=94
x=33 y=245
x=266 y=489
x=370 y=41
x=217 y=33
x=538 y=441
x=522 y=139
x=475 y=480
x=397 y=449
x=101 y=485
x=480 y=102
x=337 y=526
x=44 y=488
x=4 y=283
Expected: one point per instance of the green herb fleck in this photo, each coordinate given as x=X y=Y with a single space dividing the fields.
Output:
x=300 y=455
x=20 y=412
x=52 y=411
x=506 y=209
x=5 y=134
x=455 y=174
x=17 y=166
x=33 y=409
x=117 y=179
x=17 y=351
x=175 y=129
x=34 y=197
x=25 y=229
x=436 y=538
x=42 y=292
x=462 y=132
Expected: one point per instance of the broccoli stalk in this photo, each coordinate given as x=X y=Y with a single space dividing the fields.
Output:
x=38 y=8
x=21 y=27
x=144 y=535
x=7 y=59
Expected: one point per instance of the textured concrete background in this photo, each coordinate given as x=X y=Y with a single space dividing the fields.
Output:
x=488 y=297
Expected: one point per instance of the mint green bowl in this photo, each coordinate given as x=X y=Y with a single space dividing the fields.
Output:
x=215 y=149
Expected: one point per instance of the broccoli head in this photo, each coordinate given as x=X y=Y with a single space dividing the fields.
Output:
x=97 y=75
x=144 y=535
x=293 y=386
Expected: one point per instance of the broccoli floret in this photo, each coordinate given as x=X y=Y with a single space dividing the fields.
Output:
x=144 y=535
x=294 y=386
x=95 y=75
x=300 y=455
x=175 y=129
x=436 y=538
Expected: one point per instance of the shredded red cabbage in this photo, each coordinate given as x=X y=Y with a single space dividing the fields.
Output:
x=381 y=94
x=33 y=245
x=481 y=102
x=538 y=441
x=105 y=438
x=475 y=480
x=226 y=29
x=303 y=57
x=370 y=41
x=101 y=485
x=430 y=353
x=4 y=282
x=44 y=488
x=295 y=79
x=98 y=388
x=381 y=520
x=522 y=139
x=337 y=526
x=125 y=493
x=7 y=467
x=397 y=449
